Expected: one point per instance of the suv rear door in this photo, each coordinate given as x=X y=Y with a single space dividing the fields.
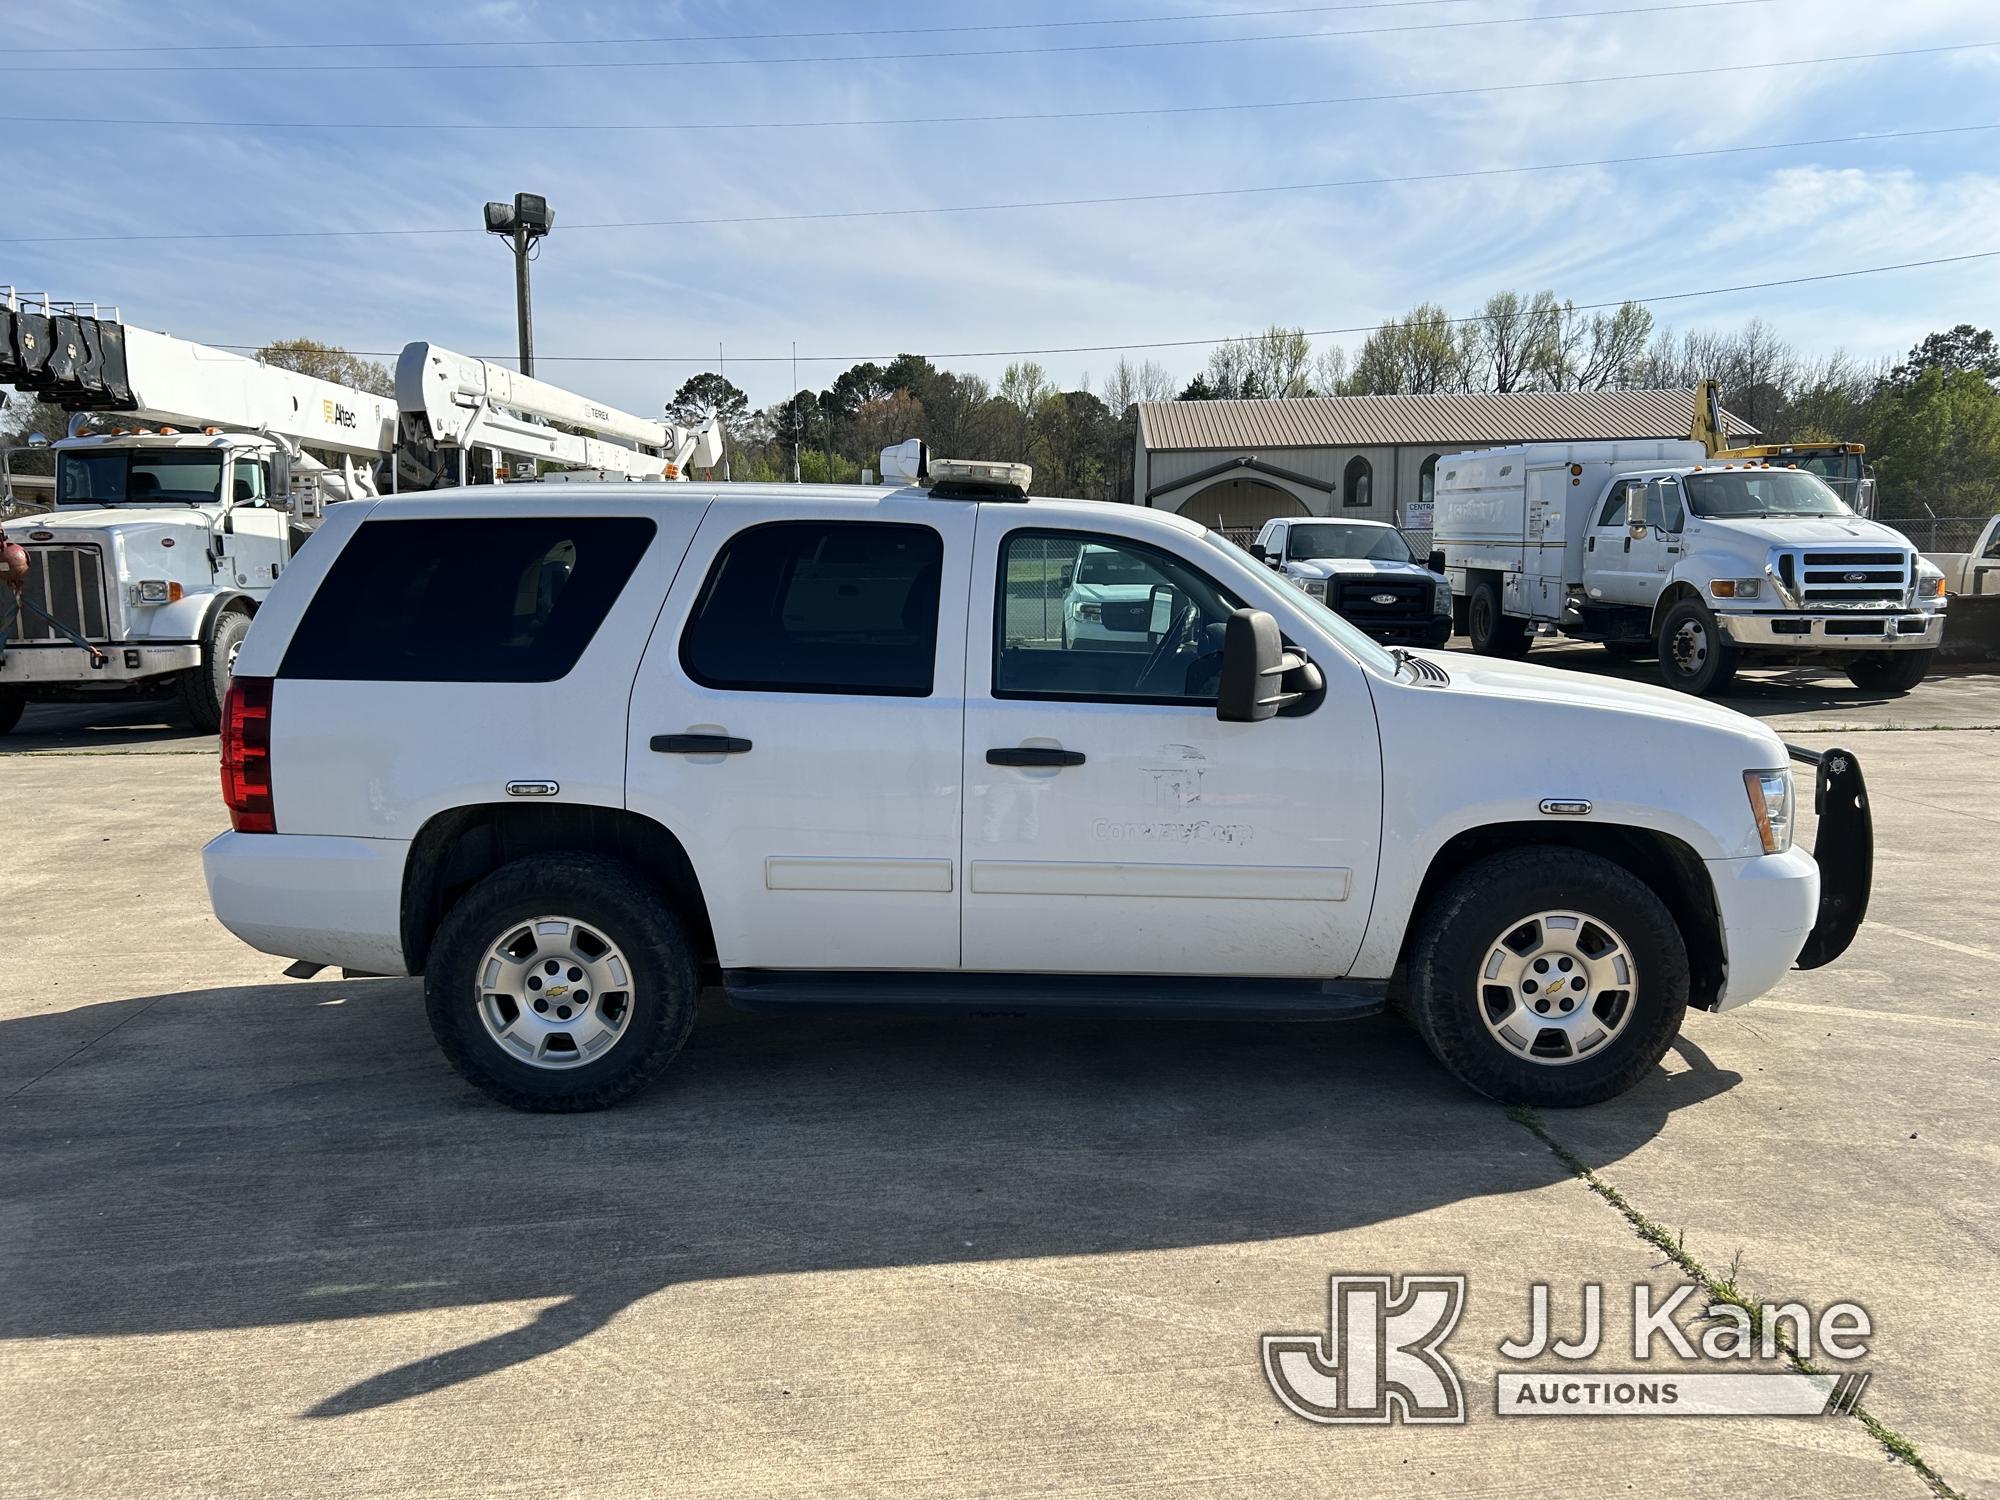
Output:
x=798 y=721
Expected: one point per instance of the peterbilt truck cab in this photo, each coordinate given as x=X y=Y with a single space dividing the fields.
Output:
x=1651 y=547
x=144 y=576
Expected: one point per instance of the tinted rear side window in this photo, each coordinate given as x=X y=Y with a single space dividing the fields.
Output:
x=820 y=607
x=485 y=600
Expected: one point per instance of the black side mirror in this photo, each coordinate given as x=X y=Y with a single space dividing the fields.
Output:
x=1256 y=550
x=1068 y=578
x=1259 y=676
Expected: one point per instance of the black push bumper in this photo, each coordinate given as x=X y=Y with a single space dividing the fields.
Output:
x=1844 y=852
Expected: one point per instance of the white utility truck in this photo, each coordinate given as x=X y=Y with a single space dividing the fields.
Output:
x=191 y=476
x=570 y=755
x=1654 y=547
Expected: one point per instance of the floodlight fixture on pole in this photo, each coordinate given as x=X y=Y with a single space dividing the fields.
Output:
x=522 y=222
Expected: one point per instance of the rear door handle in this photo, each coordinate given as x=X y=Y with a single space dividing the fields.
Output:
x=1033 y=755
x=699 y=744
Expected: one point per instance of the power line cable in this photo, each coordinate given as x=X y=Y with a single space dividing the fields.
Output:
x=1025 y=205
x=1030 y=115
x=860 y=57
x=760 y=36
x=1187 y=343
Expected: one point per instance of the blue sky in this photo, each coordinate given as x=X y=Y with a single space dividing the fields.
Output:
x=1094 y=275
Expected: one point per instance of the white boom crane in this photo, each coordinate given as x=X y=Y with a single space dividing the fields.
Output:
x=459 y=403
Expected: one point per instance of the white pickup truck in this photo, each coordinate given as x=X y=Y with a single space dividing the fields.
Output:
x=570 y=754
x=1653 y=547
x=1364 y=572
x=1975 y=572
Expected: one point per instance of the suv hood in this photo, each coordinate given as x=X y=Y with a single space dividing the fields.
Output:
x=1527 y=684
x=1350 y=567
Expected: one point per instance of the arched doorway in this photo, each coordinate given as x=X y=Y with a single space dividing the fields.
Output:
x=1239 y=507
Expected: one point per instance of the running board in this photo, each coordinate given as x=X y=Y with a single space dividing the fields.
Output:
x=947 y=993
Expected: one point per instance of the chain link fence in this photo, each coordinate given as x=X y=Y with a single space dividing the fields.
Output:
x=1933 y=534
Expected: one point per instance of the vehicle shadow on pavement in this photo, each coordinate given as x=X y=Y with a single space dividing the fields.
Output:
x=278 y=1155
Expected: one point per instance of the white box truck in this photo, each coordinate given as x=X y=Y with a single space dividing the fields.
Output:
x=1657 y=547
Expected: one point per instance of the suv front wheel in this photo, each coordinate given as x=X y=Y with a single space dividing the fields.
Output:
x=561 y=984
x=1548 y=976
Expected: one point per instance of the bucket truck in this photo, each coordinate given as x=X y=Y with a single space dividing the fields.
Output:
x=190 y=476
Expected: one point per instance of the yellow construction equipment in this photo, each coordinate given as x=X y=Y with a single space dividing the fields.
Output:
x=1843 y=466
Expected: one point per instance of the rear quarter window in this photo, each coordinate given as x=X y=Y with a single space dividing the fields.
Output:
x=474 y=600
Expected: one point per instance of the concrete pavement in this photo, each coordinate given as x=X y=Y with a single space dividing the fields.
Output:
x=258 y=1239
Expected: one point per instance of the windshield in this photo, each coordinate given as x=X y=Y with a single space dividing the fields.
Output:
x=1740 y=493
x=1101 y=565
x=139 y=476
x=1367 y=543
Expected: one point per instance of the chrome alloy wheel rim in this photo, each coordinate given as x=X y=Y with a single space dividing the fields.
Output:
x=554 y=992
x=1557 y=987
x=1690 y=647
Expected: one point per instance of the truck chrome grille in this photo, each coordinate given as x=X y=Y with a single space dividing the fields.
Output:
x=68 y=582
x=1850 y=579
x=1355 y=598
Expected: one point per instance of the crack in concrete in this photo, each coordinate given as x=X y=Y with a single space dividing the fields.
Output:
x=1893 y=1443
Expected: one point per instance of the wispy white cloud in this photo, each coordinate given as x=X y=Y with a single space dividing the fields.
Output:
x=962 y=282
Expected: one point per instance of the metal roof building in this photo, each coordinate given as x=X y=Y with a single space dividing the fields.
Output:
x=1235 y=464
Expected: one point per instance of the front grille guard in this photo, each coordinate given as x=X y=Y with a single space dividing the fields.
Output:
x=1844 y=851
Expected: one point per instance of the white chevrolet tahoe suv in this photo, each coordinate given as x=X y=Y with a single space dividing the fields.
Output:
x=571 y=753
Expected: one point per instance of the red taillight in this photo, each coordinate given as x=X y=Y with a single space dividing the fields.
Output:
x=246 y=755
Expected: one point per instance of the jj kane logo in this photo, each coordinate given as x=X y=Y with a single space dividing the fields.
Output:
x=1382 y=1358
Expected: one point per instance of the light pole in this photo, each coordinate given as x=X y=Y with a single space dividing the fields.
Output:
x=522 y=222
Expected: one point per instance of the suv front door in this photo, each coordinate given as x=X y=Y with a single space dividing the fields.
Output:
x=1113 y=824
x=797 y=722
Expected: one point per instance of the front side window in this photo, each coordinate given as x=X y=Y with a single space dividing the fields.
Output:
x=1358 y=484
x=820 y=607
x=1427 y=478
x=1741 y=494
x=1334 y=540
x=1615 y=504
x=478 y=600
x=1663 y=505
x=247 y=486
x=1102 y=619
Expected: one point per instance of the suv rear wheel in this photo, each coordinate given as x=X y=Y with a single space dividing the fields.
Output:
x=560 y=984
x=1548 y=977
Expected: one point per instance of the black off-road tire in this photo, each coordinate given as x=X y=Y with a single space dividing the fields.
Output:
x=1462 y=922
x=1491 y=630
x=203 y=688
x=608 y=896
x=1890 y=671
x=13 y=703
x=1708 y=662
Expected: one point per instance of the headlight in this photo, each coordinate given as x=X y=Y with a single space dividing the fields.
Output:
x=1441 y=598
x=1930 y=582
x=1736 y=588
x=1316 y=587
x=1771 y=806
x=1089 y=613
x=155 y=591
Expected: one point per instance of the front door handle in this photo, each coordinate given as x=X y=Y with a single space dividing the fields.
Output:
x=1033 y=755
x=699 y=744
